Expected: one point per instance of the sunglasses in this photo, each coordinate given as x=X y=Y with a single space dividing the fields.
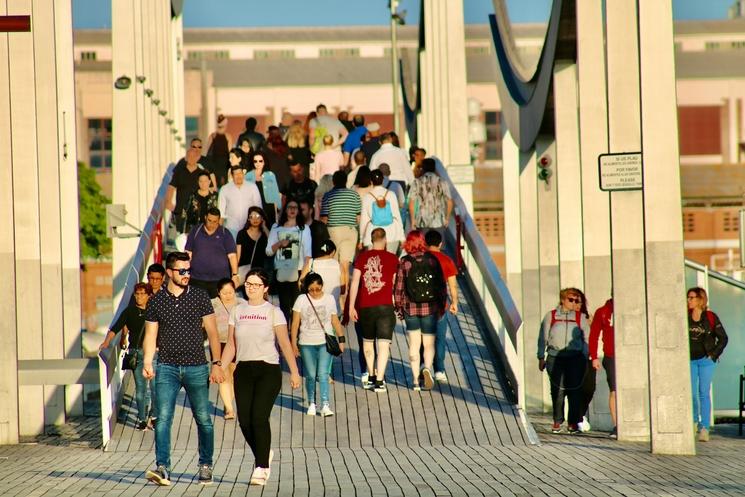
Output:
x=183 y=271
x=255 y=216
x=574 y=301
x=258 y=161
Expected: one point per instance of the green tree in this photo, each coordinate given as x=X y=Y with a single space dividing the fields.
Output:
x=94 y=241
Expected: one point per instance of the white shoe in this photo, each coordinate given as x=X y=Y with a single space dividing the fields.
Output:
x=260 y=476
x=326 y=411
x=441 y=377
x=365 y=378
x=584 y=425
x=311 y=409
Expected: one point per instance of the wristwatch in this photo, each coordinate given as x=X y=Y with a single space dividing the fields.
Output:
x=217 y=363
x=234 y=274
x=341 y=339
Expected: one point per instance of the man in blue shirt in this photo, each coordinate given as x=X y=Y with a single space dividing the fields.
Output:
x=354 y=139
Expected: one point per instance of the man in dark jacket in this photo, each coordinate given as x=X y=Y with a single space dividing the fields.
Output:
x=256 y=139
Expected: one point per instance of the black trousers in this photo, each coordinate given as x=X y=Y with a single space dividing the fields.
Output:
x=257 y=384
x=588 y=387
x=208 y=286
x=566 y=371
x=287 y=291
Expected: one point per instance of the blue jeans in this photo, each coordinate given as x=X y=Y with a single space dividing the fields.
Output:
x=145 y=389
x=440 y=338
x=425 y=324
x=316 y=364
x=702 y=372
x=168 y=381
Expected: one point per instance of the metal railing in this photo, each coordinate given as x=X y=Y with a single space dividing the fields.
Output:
x=495 y=301
x=110 y=359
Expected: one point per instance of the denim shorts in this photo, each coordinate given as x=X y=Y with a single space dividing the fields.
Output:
x=425 y=324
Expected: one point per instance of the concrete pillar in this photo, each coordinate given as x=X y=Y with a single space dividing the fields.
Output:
x=8 y=346
x=593 y=118
x=548 y=247
x=569 y=176
x=443 y=122
x=177 y=60
x=670 y=386
x=124 y=153
x=512 y=235
x=627 y=227
x=531 y=310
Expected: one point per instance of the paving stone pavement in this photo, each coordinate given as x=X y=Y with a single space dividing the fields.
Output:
x=462 y=438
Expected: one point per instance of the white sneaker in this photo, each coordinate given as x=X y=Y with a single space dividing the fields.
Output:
x=584 y=425
x=365 y=378
x=326 y=410
x=260 y=476
x=311 y=409
x=441 y=377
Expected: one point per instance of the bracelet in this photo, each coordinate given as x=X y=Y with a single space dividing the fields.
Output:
x=217 y=363
x=234 y=274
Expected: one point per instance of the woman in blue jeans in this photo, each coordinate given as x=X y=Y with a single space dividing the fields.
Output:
x=313 y=316
x=707 y=340
x=420 y=297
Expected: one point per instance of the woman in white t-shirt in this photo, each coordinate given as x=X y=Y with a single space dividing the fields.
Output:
x=255 y=328
x=313 y=315
x=225 y=301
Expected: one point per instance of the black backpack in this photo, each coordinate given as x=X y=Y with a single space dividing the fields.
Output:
x=424 y=281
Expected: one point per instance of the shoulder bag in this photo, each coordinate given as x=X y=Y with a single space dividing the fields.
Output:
x=130 y=358
x=332 y=343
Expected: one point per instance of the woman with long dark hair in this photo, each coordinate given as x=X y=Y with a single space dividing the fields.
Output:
x=255 y=329
x=251 y=243
x=268 y=186
x=290 y=243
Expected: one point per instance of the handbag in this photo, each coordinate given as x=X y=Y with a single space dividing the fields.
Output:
x=332 y=343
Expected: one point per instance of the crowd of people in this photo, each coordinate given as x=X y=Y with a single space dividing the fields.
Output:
x=331 y=219
x=568 y=344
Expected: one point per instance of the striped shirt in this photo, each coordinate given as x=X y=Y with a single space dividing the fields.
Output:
x=341 y=206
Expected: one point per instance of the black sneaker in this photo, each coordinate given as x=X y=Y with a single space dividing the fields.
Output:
x=141 y=425
x=380 y=387
x=159 y=475
x=205 y=474
x=573 y=429
x=613 y=433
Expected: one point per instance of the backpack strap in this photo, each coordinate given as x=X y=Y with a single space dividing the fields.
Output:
x=553 y=318
x=711 y=318
x=578 y=318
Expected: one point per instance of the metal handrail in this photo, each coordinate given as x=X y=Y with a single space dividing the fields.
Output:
x=715 y=274
x=110 y=364
x=487 y=283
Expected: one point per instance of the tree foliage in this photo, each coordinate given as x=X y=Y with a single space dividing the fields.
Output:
x=94 y=241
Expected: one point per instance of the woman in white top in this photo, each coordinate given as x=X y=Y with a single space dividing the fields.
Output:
x=291 y=245
x=313 y=316
x=380 y=205
x=255 y=328
x=224 y=302
x=327 y=161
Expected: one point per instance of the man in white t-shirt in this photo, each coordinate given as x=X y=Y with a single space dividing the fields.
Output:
x=325 y=125
x=396 y=158
x=235 y=199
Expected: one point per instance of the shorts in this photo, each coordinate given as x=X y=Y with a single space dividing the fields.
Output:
x=425 y=324
x=377 y=322
x=609 y=364
x=345 y=238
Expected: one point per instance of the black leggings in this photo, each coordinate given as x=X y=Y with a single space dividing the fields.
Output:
x=257 y=384
x=288 y=292
x=588 y=387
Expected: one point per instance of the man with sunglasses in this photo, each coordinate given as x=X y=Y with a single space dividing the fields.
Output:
x=173 y=324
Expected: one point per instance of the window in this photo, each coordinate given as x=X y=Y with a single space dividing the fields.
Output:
x=99 y=143
x=208 y=55
x=731 y=221
x=711 y=45
x=689 y=222
x=738 y=45
x=493 y=145
x=274 y=54
x=87 y=55
x=192 y=129
x=332 y=53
